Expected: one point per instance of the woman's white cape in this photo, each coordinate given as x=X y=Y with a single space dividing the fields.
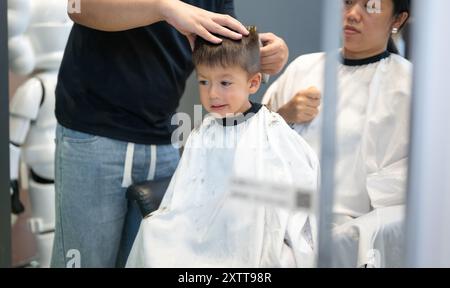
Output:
x=200 y=225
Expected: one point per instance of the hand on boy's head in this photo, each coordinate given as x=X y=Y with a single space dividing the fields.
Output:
x=274 y=53
x=190 y=20
x=303 y=107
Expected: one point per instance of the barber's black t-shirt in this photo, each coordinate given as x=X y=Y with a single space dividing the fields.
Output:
x=126 y=85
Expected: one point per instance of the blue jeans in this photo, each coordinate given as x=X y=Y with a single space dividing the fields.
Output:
x=94 y=220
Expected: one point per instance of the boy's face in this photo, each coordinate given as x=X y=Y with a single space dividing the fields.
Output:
x=225 y=91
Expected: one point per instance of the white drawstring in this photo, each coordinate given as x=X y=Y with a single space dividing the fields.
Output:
x=127 y=181
x=152 y=170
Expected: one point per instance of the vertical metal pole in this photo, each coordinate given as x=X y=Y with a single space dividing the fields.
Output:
x=428 y=211
x=332 y=29
x=5 y=198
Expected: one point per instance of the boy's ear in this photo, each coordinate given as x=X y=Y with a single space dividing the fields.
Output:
x=255 y=83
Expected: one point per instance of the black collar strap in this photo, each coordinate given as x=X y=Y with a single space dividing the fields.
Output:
x=236 y=120
x=366 y=61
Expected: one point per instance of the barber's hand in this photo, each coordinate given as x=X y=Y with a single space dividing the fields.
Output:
x=303 y=108
x=274 y=54
x=192 y=21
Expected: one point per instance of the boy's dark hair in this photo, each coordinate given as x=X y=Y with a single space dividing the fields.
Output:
x=243 y=53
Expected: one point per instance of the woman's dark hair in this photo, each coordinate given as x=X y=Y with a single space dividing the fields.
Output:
x=400 y=6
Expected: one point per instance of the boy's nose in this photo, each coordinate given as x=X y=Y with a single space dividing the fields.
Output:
x=213 y=92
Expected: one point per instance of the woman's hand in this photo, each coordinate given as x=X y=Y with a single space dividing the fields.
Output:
x=303 y=108
x=122 y=15
x=192 y=21
x=274 y=53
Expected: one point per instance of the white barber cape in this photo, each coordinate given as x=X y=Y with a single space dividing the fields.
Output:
x=372 y=126
x=198 y=224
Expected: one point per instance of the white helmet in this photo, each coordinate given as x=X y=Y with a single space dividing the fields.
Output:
x=38 y=32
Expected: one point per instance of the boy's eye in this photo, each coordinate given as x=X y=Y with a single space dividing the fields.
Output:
x=225 y=83
x=203 y=82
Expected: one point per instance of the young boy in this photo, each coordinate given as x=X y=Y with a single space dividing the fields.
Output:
x=198 y=223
